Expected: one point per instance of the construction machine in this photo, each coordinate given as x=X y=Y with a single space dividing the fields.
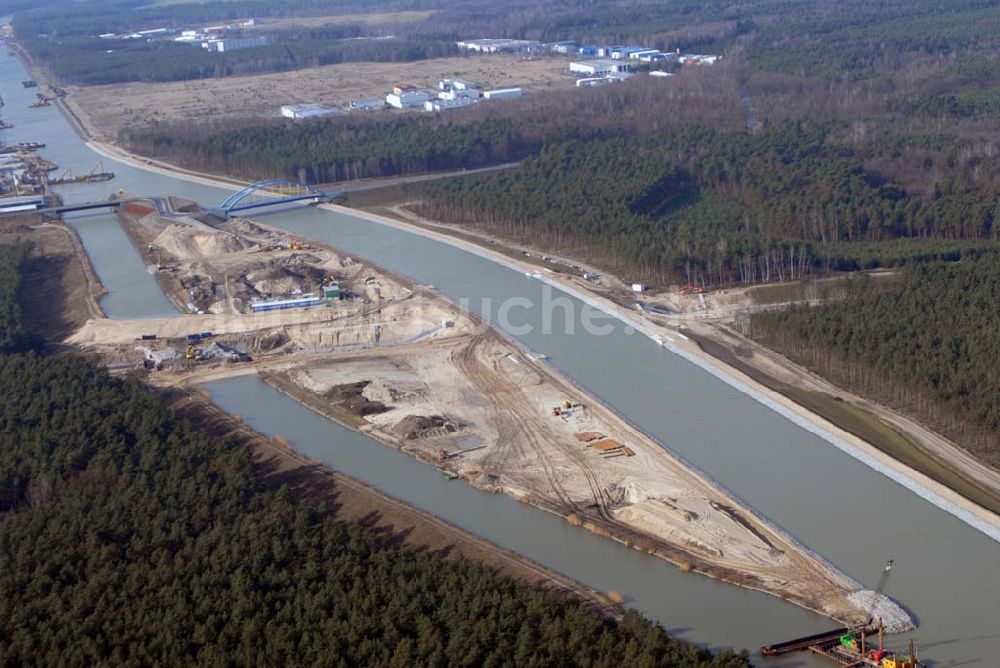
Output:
x=855 y=638
x=854 y=642
x=848 y=646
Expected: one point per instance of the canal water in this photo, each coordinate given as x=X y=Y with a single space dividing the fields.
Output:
x=946 y=572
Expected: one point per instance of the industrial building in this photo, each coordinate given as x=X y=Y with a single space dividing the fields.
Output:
x=22 y=203
x=454 y=94
x=369 y=104
x=567 y=46
x=458 y=85
x=457 y=89
x=502 y=94
x=638 y=55
x=498 y=45
x=653 y=57
x=406 y=98
x=306 y=110
x=305 y=300
x=226 y=45
x=331 y=293
x=625 y=52
x=444 y=105
x=587 y=82
x=698 y=59
x=596 y=68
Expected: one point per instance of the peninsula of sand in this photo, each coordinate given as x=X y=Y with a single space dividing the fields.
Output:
x=407 y=367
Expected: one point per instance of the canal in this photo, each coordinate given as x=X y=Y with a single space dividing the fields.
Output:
x=945 y=571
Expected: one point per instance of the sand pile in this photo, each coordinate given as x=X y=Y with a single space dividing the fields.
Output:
x=183 y=242
x=415 y=426
x=269 y=341
x=201 y=292
x=283 y=276
x=377 y=390
x=245 y=226
x=635 y=493
x=894 y=617
x=350 y=396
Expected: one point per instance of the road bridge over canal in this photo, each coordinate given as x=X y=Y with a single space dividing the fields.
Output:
x=272 y=192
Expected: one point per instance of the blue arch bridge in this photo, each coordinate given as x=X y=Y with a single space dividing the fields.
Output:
x=273 y=192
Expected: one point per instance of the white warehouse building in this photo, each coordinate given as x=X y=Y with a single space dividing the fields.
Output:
x=597 y=68
x=502 y=93
x=306 y=110
x=638 y=55
x=458 y=84
x=444 y=105
x=225 y=45
x=407 y=99
x=455 y=94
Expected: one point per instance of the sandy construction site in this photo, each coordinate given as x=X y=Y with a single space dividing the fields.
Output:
x=219 y=272
x=409 y=368
x=209 y=265
x=479 y=408
x=105 y=110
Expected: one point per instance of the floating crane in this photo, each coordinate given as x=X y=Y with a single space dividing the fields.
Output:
x=848 y=646
x=854 y=640
x=96 y=174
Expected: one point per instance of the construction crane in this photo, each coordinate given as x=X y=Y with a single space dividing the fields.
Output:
x=855 y=638
x=882 y=581
x=848 y=646
x=94 y=175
